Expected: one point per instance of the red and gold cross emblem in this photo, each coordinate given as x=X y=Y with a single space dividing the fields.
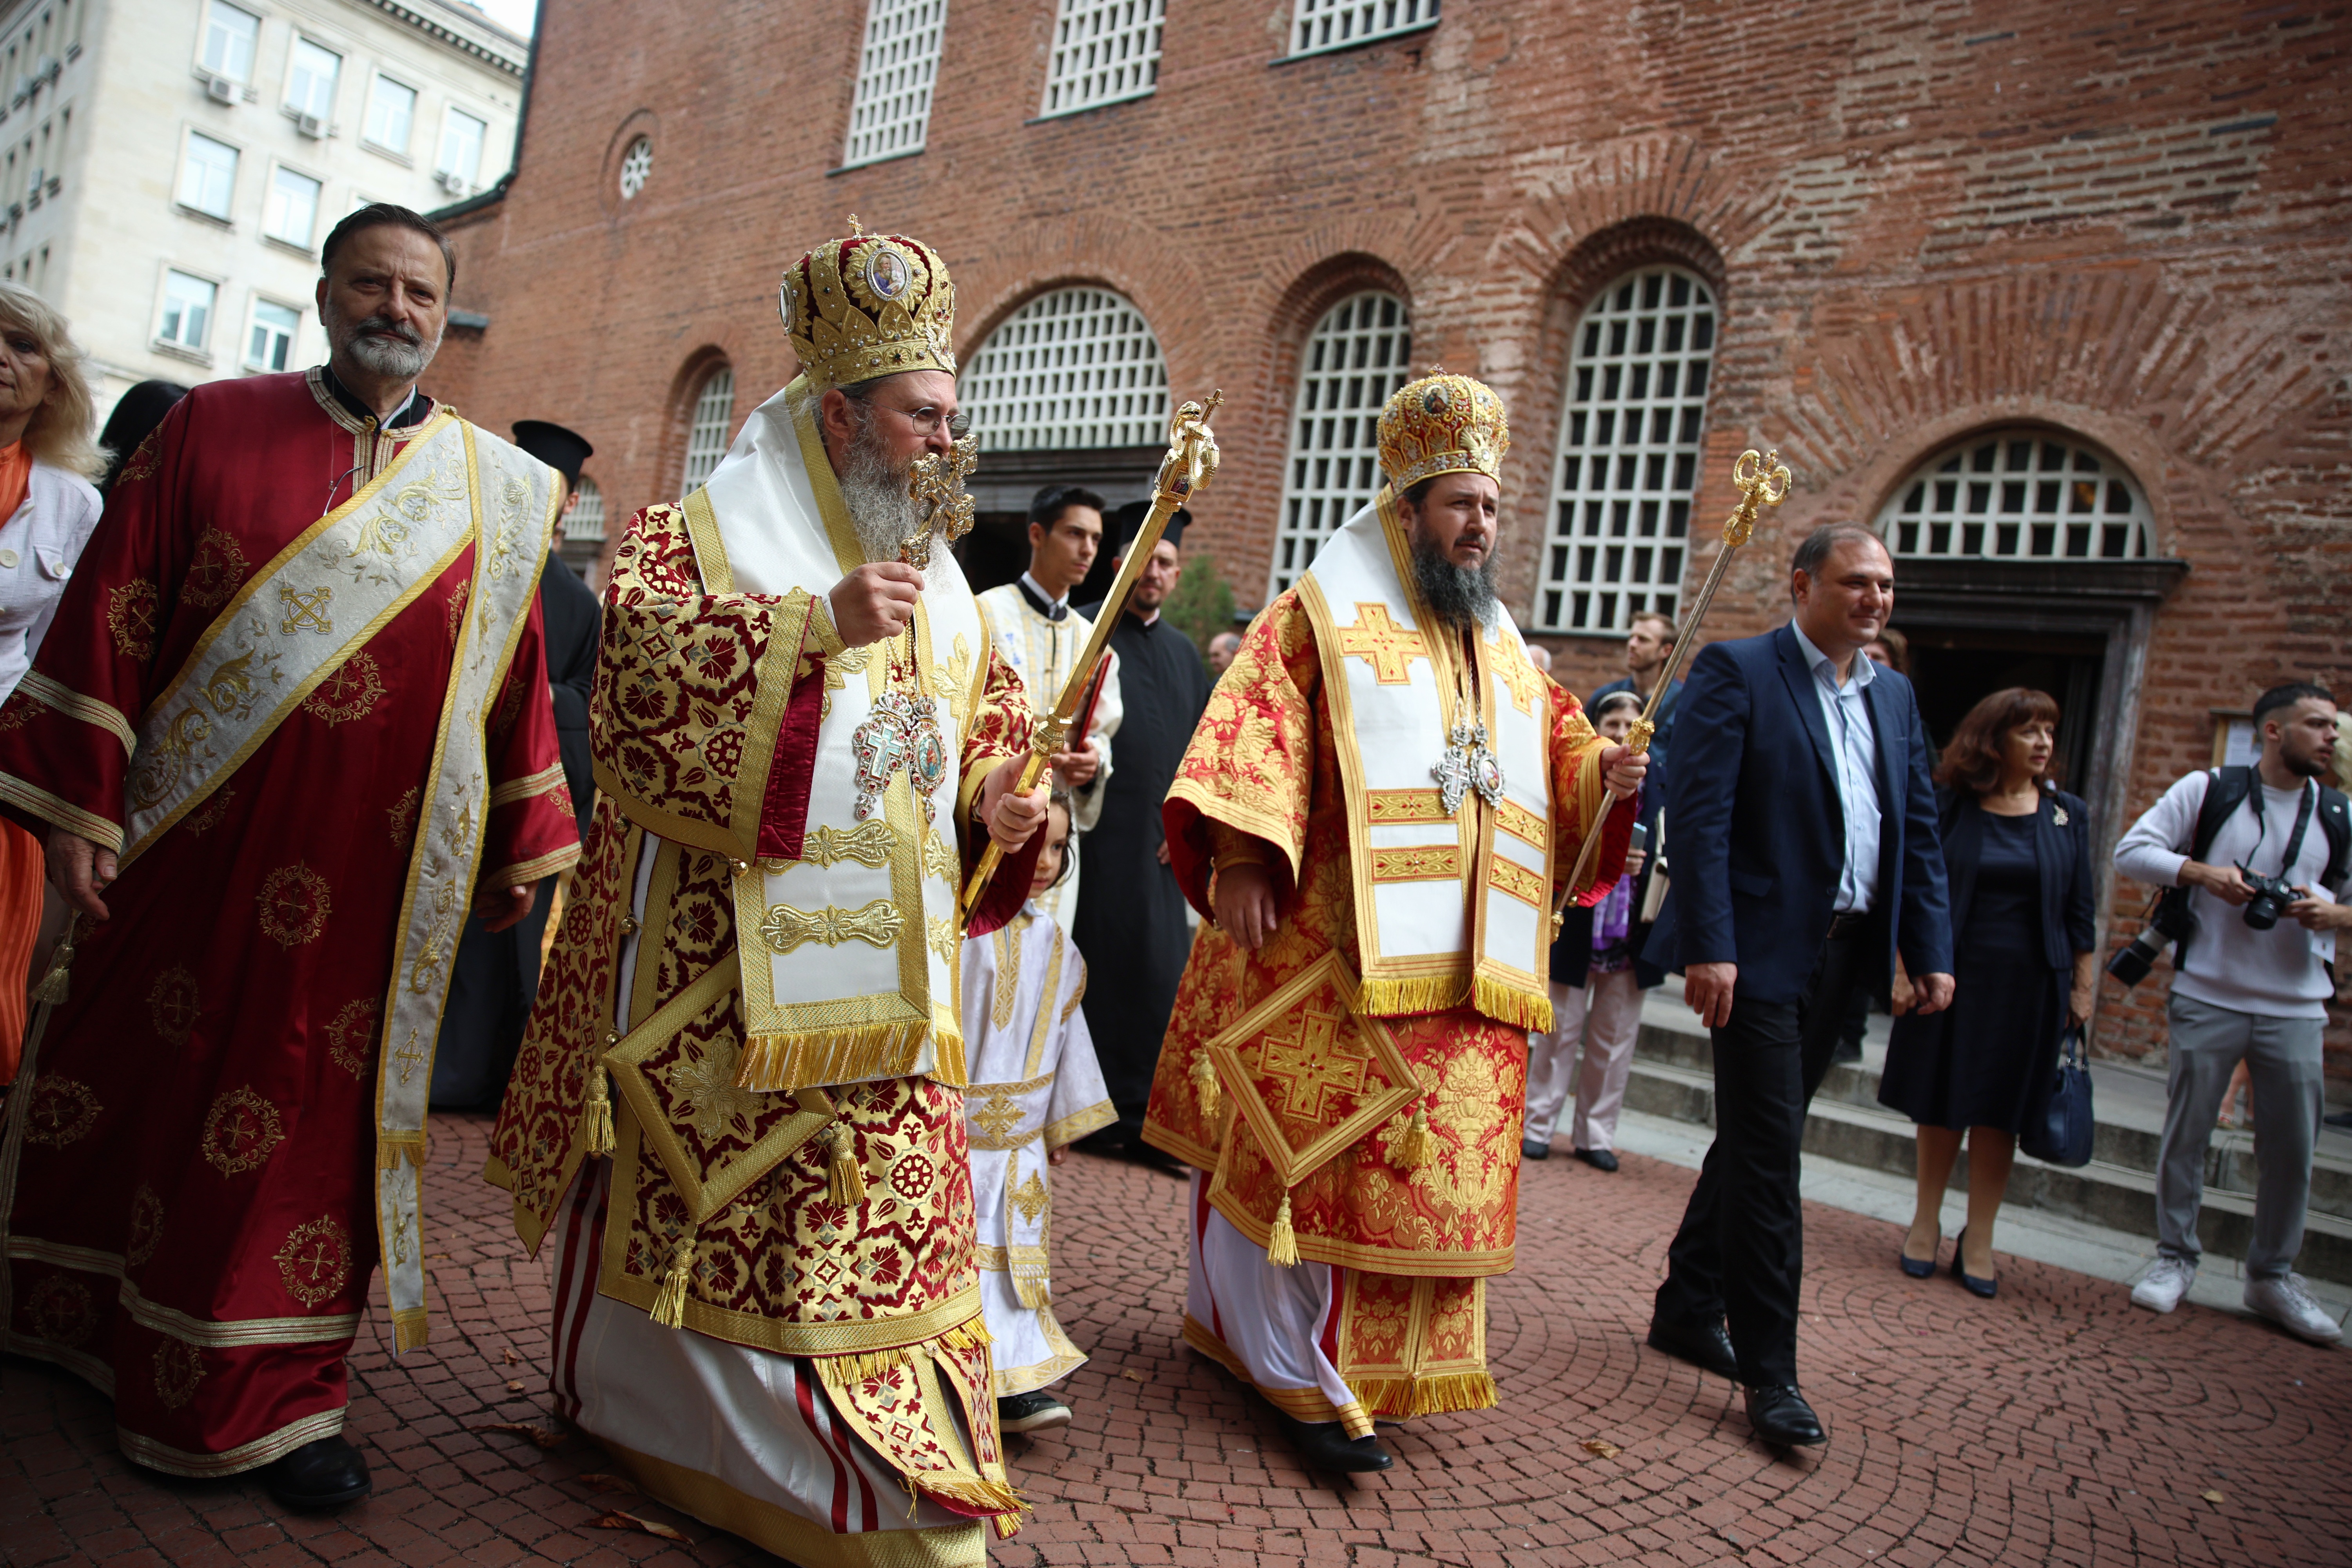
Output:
x=1309 y=1058
x=1380 y=642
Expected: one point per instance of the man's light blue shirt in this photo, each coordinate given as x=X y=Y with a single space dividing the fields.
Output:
x=1854 y=744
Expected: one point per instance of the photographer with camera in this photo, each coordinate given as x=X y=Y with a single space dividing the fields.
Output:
x=2254 y=862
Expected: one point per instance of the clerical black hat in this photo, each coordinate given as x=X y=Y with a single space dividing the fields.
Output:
x=1124 y=522
x=560 y=449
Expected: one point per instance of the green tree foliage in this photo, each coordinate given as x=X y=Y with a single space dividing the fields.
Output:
x=1202 y=605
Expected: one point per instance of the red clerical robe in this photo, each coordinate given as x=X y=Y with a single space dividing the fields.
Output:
x=191 y=1173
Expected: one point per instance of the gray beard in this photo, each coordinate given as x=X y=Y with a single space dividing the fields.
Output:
x=884 y=516
x=380 y=356
x=1457 y=596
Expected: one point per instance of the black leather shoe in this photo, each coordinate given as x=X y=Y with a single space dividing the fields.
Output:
x=1706 y=1346
x=1599 y=1159
x=1987 y=1289
x=1325 y=1445
x=322 y=1473
x=1531 y=1150
x=1782 y=1418
x=1036 y=1411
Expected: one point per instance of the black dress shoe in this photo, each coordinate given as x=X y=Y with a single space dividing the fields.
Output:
x=1531 y=1150
x=1782 y=1418
x=1987 y=1289
x=1599 y=1159
x=1325 y=1445
x=1036 y=1411
x=321 y=1473
x=1706 y=1346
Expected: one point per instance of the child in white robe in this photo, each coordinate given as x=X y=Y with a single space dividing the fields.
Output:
x=1035 y=1088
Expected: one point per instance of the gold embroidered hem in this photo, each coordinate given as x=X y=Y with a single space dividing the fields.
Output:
x=247 y=1457
x=1308 y=1405
x=534 y=869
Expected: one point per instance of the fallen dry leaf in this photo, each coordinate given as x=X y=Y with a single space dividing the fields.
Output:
x=538 y=1434
x=616 y=1519
x=514 y=1386
x=1601 y=1448
x=1132 y=1376
x=511 y=1357
x=2214 y=1497
x=605 y=1482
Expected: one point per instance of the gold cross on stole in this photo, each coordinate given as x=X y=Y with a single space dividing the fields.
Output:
x=1380 y=642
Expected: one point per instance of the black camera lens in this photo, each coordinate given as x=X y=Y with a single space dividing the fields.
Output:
x=2262 y=912
x=2131 y=964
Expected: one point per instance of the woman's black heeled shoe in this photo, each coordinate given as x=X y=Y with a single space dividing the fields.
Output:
x=1987 y=1289
x=1914 y=1266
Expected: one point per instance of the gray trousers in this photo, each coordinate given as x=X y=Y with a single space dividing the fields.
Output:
x=2283 y=1057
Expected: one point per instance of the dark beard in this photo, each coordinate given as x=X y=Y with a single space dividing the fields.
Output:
x=1457 y=597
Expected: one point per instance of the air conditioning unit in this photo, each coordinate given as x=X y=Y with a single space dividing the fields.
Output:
x=50 y=66
x=33 y=188
x=451 y=180
x=312 y=125
x=15 y=212
x=220 y=90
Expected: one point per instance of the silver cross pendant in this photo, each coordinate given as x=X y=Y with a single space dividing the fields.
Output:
x=1467 y=765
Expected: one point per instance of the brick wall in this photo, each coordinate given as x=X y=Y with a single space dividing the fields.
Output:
x=1923 y=219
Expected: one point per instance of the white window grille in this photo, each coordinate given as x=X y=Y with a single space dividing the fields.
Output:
x=291 y=214
x=208 y=179
x=892 y=111
x=706 y=438
x=1104 y=50
x=271 y=342
x=1078 y=367
x=230 y=34
x=311 y=81
x=187 y=309
x=1628 y=453
x=390 y=115
x=585 y=520
x=2017 y=495
x=1335 y=24
x=461 y=147
x=1361 y=352
x=636 y=168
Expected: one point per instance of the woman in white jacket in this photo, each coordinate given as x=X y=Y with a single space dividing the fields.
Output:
x=46 y=458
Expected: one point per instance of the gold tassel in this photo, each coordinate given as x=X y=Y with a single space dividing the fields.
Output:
x=1514 y=1004
x=1414 y=1147
x=669 y=1305
x=844 y=1179
x=53 y=987
x=1282 y=1242
x=1205 y=1084
x=600 y=1114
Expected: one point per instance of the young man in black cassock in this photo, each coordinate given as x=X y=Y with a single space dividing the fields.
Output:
x=1131 y=923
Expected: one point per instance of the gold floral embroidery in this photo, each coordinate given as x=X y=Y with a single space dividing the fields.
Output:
x=1469 y=1170
x=131 y=616
x=316 y=1261
x=179 y=1367
x=940 y=859
x=510 y=707
x=216 y=571
x=1077 y=997
x=402 y=813
x=215 y=809
x=351 y=1036
x=171 y=1003
x=458 y=609
x=15 y=715
x=1008 y=972
x=295 y=902
x=60 y=1310
x=946 y=938
x=1031 y=1197
x=351 y=692
x=146 y=1230
x=142 y=460
x=706 y=1084
x=240 y=1131
x=60 y=1111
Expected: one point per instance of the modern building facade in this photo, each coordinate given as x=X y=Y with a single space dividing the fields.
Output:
x=168 y=168
x=2056 y=299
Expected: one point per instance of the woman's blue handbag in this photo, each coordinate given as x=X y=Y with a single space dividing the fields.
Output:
x=2059 y=1131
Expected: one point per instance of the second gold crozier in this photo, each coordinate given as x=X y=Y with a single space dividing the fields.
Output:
x=1373 y=810
x=737 y=1114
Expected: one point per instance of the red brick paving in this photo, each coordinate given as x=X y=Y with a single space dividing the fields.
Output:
x=2055 y=1425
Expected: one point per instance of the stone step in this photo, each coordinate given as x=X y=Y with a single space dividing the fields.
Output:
x=2127 y=1144
x=2104 y=1193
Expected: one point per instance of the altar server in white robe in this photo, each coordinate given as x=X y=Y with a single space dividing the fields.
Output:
x=1035 y=1090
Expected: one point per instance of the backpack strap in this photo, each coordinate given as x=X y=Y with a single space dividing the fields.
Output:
x=2335 y=821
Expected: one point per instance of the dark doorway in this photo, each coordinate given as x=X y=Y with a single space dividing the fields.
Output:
x=1955 y=669
x=996 y=551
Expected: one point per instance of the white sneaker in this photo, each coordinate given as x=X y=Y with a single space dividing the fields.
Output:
x=2285 y=1301
x=2165 y=1284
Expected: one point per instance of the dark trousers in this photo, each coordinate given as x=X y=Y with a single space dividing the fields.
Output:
x=1740 y=1252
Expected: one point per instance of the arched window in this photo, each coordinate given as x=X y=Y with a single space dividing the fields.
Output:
x=1628 y=452
x=2017 y=495
x=585 y=520
x=1359 y=353
x=1078 y=367
x=706 y=438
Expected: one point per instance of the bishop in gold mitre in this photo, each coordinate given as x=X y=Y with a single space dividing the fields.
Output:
x=737 y=1112
x=1375 y=810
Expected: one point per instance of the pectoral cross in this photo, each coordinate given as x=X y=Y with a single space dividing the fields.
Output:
x=1465 y=765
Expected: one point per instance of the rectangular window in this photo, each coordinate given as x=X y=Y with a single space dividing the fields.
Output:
x=461 y=147
x=1324 y=25
x=310 y=80
x=187 y=309
x=892 y=111
x=230 y=35
x=271 y=344
x=292 y=214
x=208 y=178
x=392 y=111
x=1104 y=50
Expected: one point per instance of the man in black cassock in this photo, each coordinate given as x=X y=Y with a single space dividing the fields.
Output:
x=1131 y=924
x=497 y=973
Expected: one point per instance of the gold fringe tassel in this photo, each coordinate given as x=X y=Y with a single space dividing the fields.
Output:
x=779 y=1064
x=844 y=1179
x=54 y=986
x=600 y=1114
x=1399 y=1398
x=841 y=1371
x=1516 y=1006
x=669 y=1304
x=969 y=1336
x=1282 y=1242
x=411 y=1327
x=977 y=1493
x=1415 y=1148
x=1205 y=1084
x=1420 y=994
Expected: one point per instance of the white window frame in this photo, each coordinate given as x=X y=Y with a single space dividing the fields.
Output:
x=367 y=117
x=1617 y=533
x=2020 y=493
x=212 y=312
x=1359 y=351
x=203 y=39
x=898 y=66
x=334 y=87
x=253 y=319
x=585 y=523
x=188 y=141
x=1048 y=378
x=450 y=115
x=1319 y=26
x=270 y=200
x=1103 y=51
x=708 y=429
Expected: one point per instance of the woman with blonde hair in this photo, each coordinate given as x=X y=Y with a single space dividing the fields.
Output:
x=47 y=460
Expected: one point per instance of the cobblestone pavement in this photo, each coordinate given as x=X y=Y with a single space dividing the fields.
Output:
x=2054 y=1425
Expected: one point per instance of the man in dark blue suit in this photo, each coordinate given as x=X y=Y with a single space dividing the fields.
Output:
x=1801 y=826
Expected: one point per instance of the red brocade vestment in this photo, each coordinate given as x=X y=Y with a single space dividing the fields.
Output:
x=191 y=1223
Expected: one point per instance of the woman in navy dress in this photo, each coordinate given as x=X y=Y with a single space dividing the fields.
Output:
x=2017 y=851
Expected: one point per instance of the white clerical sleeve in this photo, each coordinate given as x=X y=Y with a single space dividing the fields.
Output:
x=1079 y=1103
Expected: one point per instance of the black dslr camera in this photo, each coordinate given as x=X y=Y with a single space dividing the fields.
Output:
x=2272 y=896
x=2168 y=921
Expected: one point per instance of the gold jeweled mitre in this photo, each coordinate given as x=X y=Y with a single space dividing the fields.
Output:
x=873 y=304
x=1443 y=425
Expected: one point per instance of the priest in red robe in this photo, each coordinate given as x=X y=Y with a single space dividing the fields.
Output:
x=292 y=715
